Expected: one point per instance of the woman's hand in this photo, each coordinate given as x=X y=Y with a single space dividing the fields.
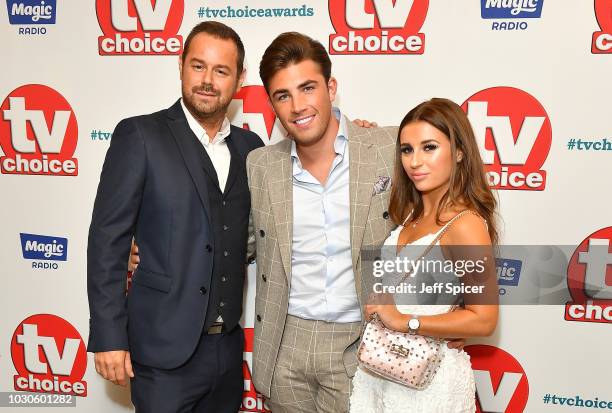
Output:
x=384 y=306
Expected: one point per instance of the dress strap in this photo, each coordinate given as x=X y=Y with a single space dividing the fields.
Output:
x=456 y=217
x=407 y=218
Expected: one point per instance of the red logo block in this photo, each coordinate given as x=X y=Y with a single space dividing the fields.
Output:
x=514 y=135
x=49 y=356
x=38 y=133
x=589 y=279
x=377 y=26
x=602 y=40
x=501 y=382
x=140 y=27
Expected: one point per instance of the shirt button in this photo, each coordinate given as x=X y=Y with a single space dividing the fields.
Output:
x=225 y=253
x=263 y=277
x=208 y=248
x=386 y=215
x=223 y=278
x=203 y=290
x=262 y=233
x=258 y=317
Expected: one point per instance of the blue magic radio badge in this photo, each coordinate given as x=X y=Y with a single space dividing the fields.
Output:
x=43 y=247
x=511 y=9
x=31 y=11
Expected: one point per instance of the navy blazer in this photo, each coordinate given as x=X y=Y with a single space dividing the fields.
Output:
x=153 y=188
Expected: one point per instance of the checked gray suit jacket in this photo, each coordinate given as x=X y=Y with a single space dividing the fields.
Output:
x=269 y=169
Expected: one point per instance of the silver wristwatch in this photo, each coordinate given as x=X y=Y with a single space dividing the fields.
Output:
x=414 y=324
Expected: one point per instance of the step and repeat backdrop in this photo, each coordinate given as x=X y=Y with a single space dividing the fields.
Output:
x=534 y=76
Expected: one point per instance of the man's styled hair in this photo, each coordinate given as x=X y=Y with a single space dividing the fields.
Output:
x=292 y=48
x=219 y=31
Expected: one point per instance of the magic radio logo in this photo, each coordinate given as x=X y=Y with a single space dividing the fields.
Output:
x=589 y=279
x=252 y=402
x=44 y=250
x=514 y=134
x=501 y=382
x=250 y=109
x=140 y=27
x=49 y=356
x=32 y=16
x=377 y=26
x=38 y=133
x=510 y=14
x=602 y=40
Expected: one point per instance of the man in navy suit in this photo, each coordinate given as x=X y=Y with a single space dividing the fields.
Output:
x=175 y=181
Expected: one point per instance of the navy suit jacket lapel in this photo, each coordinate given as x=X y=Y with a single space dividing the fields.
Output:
x=187 y=144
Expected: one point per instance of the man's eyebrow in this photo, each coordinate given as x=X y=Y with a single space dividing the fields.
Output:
x=279 y=92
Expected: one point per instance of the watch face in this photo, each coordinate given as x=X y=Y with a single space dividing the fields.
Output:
x=414 y=323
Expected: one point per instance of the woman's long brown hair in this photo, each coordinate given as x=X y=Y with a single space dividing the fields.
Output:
x=468 y=183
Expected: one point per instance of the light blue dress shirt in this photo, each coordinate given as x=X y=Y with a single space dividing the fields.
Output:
x=322 y=279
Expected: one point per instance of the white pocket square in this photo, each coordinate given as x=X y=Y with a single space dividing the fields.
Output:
x=382 y=184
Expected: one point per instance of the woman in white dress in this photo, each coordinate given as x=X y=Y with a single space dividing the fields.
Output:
x=439 y=191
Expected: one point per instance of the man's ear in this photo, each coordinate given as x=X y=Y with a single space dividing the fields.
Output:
x=332 y=88
x=240 y=80
x=180 y=62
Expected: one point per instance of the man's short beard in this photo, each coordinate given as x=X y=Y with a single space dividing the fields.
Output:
x=218 y=109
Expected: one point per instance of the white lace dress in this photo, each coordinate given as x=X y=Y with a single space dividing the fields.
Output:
x=452 y=389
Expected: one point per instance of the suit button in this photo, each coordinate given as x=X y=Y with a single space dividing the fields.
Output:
x=262 y=233
x=208 y=248
x=221 y=304
x=203 y=290
x=223 y=203
x=386 y=215
x=223 y=278
x=225 y=227
x=263 y=277
x=258 y=317
x=225 y=253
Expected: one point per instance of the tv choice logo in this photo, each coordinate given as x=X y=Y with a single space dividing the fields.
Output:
x=140 y=27
x=501 y=382
x=250 y=109
x=514 y=133
x=510 y=9
x=49 y=356
x=377 y=26
x=602 y=40
x=589 y=279
x=252 y=402
x=38 y=133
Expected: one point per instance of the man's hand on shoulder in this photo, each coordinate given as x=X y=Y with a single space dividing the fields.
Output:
x=115 y=366
x=365 y=123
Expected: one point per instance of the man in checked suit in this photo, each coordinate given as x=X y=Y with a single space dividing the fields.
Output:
x=317 y=199
x=175 y=180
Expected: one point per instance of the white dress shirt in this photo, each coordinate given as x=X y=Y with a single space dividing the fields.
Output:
x=217 y=149
x=322 y=279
